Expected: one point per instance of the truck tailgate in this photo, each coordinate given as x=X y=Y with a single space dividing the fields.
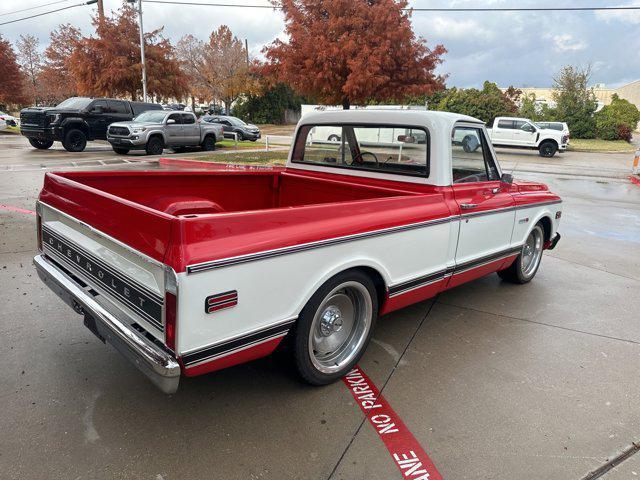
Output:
x=98 y=238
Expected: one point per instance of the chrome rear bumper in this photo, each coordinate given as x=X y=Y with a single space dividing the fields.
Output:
x=113 y=326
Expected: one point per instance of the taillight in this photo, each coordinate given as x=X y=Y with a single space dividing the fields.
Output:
x=170 y=307
x=39 y=226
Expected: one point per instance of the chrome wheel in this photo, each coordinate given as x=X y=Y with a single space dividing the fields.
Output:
x=532 y=252
x=340 y=327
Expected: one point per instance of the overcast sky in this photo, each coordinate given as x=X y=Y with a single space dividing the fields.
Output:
x=521 y=49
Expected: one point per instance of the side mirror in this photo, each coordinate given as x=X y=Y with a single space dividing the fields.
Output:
x=506 y=178
x=171 y=121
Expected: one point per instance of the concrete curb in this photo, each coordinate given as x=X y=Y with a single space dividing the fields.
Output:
x=607 y=152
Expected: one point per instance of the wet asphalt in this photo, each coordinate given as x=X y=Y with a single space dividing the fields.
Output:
x=495 y=381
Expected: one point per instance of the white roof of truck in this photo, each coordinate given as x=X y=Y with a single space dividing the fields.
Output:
x=428 y=118
x=439 y=125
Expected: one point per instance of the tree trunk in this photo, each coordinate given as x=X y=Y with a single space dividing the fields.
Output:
x=227 y=106
x=193 y=104
x=346 y=105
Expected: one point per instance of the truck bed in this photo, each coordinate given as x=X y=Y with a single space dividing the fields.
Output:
x=196 y=216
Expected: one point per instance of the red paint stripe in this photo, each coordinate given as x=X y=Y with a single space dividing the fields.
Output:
x=243 y=356
x=410 y=458
x=635 y=180
x=9 y=208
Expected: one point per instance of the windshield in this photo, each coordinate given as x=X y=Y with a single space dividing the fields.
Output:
x=235 y=121
x=75 y=103
x=151 y=116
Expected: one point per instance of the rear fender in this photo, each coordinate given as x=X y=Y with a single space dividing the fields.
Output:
x=340 y=266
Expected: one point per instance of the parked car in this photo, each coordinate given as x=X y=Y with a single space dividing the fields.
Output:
x=7 y=120
x=77 y=120
x=155 y=130
x=560 y=126
x=523 y=133
x=231 y=125
x=174 y=106
x=188 y=272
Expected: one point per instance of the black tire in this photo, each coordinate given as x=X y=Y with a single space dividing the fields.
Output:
x=121 y=151
x=520 y=271
x=40 y=144
x=155 y=146
x=333 y=138
x=74 y=140
x=240 y=136
x=548 y=148
x=350 y=288
x=209 y=143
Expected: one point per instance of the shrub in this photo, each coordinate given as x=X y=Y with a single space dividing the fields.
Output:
x=485 y=104
x=617 y=120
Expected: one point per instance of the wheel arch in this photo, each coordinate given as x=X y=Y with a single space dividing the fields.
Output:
x=157 y=133
x=75 y=123
x=378 y=274
x=547 y=226
x=549 y=140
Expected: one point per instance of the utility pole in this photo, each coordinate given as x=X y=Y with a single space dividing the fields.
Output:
x=246 y=49
x=144 y=65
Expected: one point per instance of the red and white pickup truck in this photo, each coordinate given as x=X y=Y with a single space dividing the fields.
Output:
x=187 y=272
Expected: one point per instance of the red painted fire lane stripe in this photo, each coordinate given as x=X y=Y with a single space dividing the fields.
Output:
x=412 y=461
x=9 y=208
x=635 y=180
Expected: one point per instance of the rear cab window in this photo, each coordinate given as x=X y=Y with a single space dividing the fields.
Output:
x=396 y=149
x=188 y=119
x=507 y=124
x=471 y=157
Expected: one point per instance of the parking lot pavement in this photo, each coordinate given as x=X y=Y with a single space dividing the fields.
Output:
x=493 y=380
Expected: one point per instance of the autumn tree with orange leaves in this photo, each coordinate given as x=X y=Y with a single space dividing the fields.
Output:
x=12 y=80
x=56 y=79
x=217 y=68
x=346 y=51
x=108 y=64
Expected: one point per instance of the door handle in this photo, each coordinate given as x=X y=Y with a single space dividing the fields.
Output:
x=468 y=206
x=495 y=190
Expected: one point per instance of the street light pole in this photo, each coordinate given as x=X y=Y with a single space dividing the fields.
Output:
x=142 y=59
x=144 y=65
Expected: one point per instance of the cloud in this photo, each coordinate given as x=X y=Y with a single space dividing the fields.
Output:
x=567 y=43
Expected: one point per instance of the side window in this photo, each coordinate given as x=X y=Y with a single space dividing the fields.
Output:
x=176 y=117
x=100 y=104
x=505 y=124
x=188 y=119
x=471 y=158
x=117 y=107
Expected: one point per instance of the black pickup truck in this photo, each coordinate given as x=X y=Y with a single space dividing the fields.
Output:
x=77 y=120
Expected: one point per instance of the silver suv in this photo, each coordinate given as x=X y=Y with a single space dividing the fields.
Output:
x=152 y=131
